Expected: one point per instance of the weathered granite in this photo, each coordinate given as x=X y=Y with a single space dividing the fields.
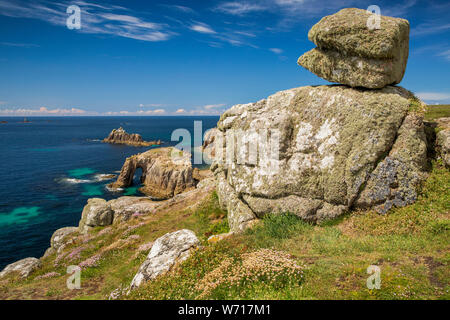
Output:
x=120 y=136
x=165 y=172
x=351 y=53
x=339 y=148
x=167 y=250
x=24 y=267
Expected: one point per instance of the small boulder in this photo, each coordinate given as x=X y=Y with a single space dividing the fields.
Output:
x=97 y=212
x=351 y=53
x=60 y=237
x=166 y=252
x=24 y=267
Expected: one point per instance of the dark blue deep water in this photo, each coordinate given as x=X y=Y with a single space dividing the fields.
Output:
x=49 y=167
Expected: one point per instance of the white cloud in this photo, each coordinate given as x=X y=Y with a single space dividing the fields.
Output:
x=21 y=45
x=95 y=19
x=445 y=54
x=135 y=113
x=202 y=28
x=180 y=111
x=42 y=111
x=213 y=106
x=430 y=28
x=276 y=50
x=433 y=96
x=239 y=8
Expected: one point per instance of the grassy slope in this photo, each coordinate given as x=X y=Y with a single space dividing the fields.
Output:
x=411 y=245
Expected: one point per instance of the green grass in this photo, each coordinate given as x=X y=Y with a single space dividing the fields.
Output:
x=437 y=111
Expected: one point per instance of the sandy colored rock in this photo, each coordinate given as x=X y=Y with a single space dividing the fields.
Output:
x=351 y=53
x=334 y=144
x=165 y=172
x=120 y=136
x=96 y=213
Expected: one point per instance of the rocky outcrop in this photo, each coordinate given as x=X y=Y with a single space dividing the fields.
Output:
x=351 y=53
x=61 y=238
x=23 y=267
x=120 y=136
x=96 y=213
x=443 y=140
x=165 y=172
x=338 y=148
x=168 y=250
x=208 y=147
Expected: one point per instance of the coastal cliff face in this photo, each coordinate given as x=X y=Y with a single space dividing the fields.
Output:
x=163 y=175
x=120 y=136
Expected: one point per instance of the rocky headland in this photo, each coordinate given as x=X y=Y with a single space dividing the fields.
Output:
x=361 y=145
x=120 y=136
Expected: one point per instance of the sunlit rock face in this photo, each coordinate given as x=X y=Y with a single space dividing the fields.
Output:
x=359 y=49
x=318 y=152
x=165 y=172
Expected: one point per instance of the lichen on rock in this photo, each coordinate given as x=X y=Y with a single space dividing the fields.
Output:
x=352 y=53
x=332 y=141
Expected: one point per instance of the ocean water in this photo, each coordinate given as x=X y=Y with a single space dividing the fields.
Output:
x=50 y=166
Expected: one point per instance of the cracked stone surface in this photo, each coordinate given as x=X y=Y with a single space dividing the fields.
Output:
x=339 y=148
x=167 y=250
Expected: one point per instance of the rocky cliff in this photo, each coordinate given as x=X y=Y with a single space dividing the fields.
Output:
x=120 y=136
x=165 y=172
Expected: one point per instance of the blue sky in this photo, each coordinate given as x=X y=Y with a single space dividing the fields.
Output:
x=185 y=57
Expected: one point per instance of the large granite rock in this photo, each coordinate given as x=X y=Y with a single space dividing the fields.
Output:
x=120 y=136
x=165 y=172
x=338 y=148
x=351 y=53
x=443 y=140
x=168 y=250
x=96 y=213
x=23 y=267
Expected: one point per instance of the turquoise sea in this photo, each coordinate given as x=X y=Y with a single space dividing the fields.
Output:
x=50 y=166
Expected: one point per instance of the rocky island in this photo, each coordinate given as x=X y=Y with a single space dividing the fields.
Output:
x=120 y=136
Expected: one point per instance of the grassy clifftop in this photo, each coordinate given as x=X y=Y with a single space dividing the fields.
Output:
x=280 y=258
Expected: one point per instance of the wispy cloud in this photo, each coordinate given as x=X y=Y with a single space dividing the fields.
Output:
x=20 y=45
x=430 y=28
x=181 y=8
x=202 y=28
x=276 y=50
x=433 y=96
x=42 y=111
x=136 y=113
x=95 y=18
x=445 y=54
x=239 y=8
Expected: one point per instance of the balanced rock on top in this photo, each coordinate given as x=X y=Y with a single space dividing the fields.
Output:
x=351 y=52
